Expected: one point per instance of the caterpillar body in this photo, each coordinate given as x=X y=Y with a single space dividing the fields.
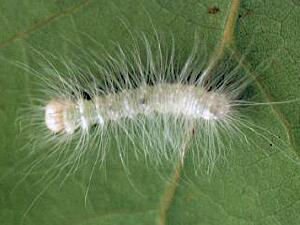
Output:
x=144 y=99
x=186 y=101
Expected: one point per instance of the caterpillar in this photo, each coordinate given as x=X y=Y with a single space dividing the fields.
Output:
x=145 y=99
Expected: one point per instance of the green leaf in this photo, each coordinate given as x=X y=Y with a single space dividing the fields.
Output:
x=251 y=187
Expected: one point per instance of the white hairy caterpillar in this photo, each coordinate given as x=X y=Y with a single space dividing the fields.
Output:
x=144 y=99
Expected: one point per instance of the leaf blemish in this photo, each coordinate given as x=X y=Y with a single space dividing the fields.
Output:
x=213 y=10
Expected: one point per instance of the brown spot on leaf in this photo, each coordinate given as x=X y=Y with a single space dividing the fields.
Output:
x=213 y=10
x=245 y=13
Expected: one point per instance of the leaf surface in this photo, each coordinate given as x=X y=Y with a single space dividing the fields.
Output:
x=250 y=188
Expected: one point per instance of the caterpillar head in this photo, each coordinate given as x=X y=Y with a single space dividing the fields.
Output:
x=58 y=116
